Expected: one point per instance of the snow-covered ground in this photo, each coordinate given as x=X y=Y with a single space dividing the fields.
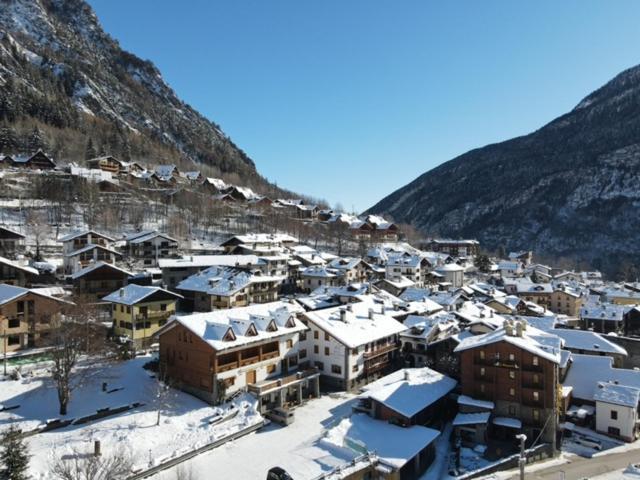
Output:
x=184 y=423
x=296 y=448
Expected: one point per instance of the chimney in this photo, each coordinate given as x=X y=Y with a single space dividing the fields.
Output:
x=519 y=329
x=343 y=315
x=407 y=377
x=121 y=292
x=371 y=314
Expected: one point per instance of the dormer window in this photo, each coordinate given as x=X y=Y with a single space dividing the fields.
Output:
x=229 y=336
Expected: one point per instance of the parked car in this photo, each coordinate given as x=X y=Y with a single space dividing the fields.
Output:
x=278 y=473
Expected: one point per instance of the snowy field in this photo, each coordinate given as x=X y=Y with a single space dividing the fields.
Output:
x=296 y=448
x=184 y=420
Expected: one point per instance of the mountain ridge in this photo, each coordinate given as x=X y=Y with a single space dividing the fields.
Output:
x=565 y=190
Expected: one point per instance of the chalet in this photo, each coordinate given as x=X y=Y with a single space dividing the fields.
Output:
x=12 y=273
x=5 y=160
x=408 y=266
x=354 y=344
x=228 y=287
x=374 y=228
x=11 y=242
x=523 y=257
x=351 y=270
x=406 y=397
x=214 y=186
x=213 y=355
x=241 y=194
x=452 y=274
x=194 y=177
x=259 y=243
x=37 y=161
x=315 y=277
x=91 y=253
x=618 y=410
x=510 y=269
x=168 y=173
x=149 y=246
x=261 y=202
x=27 y=316
x=98 y=280
x=138 y=312
x=455 y=248
x=107 y=164
x=175 y=270
x=603 y=317
x=566 y=300
x=516 y=368
x=77 y=240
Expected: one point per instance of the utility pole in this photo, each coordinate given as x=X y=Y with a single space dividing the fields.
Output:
x=523 y=459
x=4 y=350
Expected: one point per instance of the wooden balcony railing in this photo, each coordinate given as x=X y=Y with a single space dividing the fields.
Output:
x=381 y=350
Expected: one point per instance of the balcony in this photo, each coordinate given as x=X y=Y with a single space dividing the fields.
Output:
x=249 y=360
x=153 y=315
x=270 y=355
x=381 y=351
x=263 y=387
x=226 y=367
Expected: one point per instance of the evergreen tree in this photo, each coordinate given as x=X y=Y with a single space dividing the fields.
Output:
x=14 y=458
x=90 y=150
x=8 y=140
x=36 y=141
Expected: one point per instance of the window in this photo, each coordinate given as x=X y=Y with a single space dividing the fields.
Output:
x=327 y=337
x=535 y=361
x=512 y=374
x=536 y=378
x=481 y=354
x=336 y=369
x=482 y=371
x=303 y=353
x=354 y=369
x=14 y=323
x=122 y=323
x=121 y=308
x=303 y=336
x=512 y=357
x=228 y=382
x=482 y=387
x=614 y=431
x=20 y=307
x=290 y=343
x=316 y=349
x=536 y=396
x=128 y=309
x=13 y=339
x=326 y=351
x=497 y=355
x=536 y=414
x=271 y=368
x=163 y=307
x=315 y=334
x=320 y=366
x=512 y=391
x=614 y=414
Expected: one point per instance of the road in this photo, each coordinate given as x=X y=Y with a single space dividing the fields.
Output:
x=580 y=467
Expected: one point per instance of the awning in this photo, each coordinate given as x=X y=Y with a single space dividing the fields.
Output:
x=508 y=422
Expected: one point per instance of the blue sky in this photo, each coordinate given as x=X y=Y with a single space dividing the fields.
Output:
x=350 y=100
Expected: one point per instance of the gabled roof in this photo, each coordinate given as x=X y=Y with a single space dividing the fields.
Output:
x=97 y=265
x=617 y=394
x=224 y=281
x=149 y=235
x=532 y=340
x=224 y=329
x=82 y=233
x=587 y=370
x=91 y=246
x=132 y=294
x=6 y=232
x=589 y=341
x=9 y=293
x=10 y=263
x=410 y=390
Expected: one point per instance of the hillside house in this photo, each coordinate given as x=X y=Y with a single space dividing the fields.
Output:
x=11 y=242
x=37 y=161
x=455 y=248
x=107 y=163
x=83 y=257
x=13 y=273
x=149 y=246
x=99 y=279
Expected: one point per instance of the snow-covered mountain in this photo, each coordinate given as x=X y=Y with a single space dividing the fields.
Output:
x=59 y=69
x=569 y=189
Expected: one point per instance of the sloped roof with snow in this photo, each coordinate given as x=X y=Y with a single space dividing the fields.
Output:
x=89 y=247
x=224 y=281
x=94 y=266
x=410 y=390
x=532 y=340
x=209 y=261
x=150 y=236
x=213 y=327
x=357 y=328
x=82 y=233
x=17 y=266
x=587 y=370
x=394 y=445
x=132 y=294
x=586 y=340
x=617 y=394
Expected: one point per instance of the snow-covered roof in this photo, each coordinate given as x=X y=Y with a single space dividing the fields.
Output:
x=472 y=402
x=410 y=390
x=507 y=422
x=145 y=236
x=586 y=340
x=9 y=293
x=91 y=246
x=198 y=261
x=344 y=263
x=587 y=370
x=318 y=271
x=532 y=340
x=94 y=266
x=17 y=266
x=393 y=444
x=450 y=267
x=82 y=233
x=352 y=326
x=132 y=294
x=617 y=394
x=4 y=228
x=471 y=418
x=404 y=260
x=217 y=183
x=224 y=281
x=602 y=311
x=224 y=329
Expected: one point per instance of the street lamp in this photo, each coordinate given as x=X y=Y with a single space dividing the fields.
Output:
x=523 y=459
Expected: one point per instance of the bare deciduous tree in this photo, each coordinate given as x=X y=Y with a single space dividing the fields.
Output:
x=83 y=466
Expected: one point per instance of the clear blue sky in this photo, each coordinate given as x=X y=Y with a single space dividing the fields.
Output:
x=350 y=100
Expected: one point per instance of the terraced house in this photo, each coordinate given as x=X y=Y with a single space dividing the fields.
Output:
x=139 y=312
